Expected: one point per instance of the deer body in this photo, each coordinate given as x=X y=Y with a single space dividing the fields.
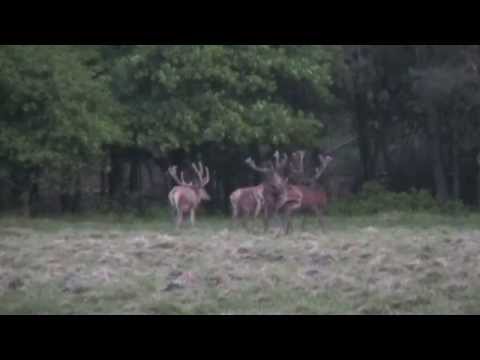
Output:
x=187 y=197
x=263 y=198
x=311 y=198
x=247 y=201
x=302 y=198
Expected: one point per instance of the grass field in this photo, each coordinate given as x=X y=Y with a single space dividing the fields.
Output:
x=388 y=264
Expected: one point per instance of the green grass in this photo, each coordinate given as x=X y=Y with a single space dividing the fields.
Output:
x=394 y=263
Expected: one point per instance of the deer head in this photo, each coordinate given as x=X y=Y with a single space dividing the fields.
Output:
x=203 y=174
x=273 y=171
x=297 y=166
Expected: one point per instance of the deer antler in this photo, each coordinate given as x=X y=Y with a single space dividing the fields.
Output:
x=252 y=164
x=207 y=179
x=173 y=173
x=276 y=155
x=200 y=171
x=301 y=157
x=280 y=163
x=325 y=161
x=183 y=180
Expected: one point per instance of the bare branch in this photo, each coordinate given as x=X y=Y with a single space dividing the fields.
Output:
x=325 y=161
x=345 y=143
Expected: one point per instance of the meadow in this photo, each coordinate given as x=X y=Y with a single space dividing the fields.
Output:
x=394 y=263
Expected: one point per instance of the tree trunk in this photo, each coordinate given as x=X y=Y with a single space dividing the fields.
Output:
x=103 y=179
x=33 y=197
x=115 y=178
x=149 y=168
x=227 y=191
x=441 y=188
x=25 y=204
x=135 y=175
x=386 y=155
x=373 y=166
x=478 y=180
x=364 y=150
x=65 y=201
x=478 y=187
x=456 y=167
x=77 y=195
x=4 y=187
x=364 y=144
x=21 y=190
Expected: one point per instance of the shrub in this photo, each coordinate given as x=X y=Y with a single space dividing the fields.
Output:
x=375 y=198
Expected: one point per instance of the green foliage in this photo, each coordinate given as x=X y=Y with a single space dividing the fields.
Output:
x=64 y=109
x=179 y=96
x=375 y=199
x=55 y=113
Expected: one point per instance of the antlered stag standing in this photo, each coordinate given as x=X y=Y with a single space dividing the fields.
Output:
x=185 y=198
x=304 y=197
x=263 y=198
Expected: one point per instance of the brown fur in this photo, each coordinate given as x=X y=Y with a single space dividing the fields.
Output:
x=185 y=200
x=261 y=199
x=247 y=202
x=300 y=198
x=186 y=197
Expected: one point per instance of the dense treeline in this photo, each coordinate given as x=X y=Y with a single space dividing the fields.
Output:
x=88 y=127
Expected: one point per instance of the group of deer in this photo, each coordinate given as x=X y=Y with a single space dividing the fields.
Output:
x=284 y=191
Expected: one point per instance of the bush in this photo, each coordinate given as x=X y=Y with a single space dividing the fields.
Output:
x=375 y=198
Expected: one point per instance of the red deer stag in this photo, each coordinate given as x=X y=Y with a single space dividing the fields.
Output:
x=263 y=198
x=185 y=198
x=302 y=197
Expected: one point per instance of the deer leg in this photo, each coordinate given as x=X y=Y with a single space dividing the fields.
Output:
x=234 y=213
x=237 y=215
x=290 y=210
x=266 y=223
x=257 y=211
x=173 y=213
x=192 y=217
x=319 y=214
x=304 y=222
x=179 y=219
x=258 y=208
x=234 y=222
x=284 y=218
x=244 y=221
x=266 y=220
x=287 y=221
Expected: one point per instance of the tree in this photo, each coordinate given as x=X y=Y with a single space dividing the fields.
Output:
x=447 y=93
x=221 y=99
x=55 y=115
